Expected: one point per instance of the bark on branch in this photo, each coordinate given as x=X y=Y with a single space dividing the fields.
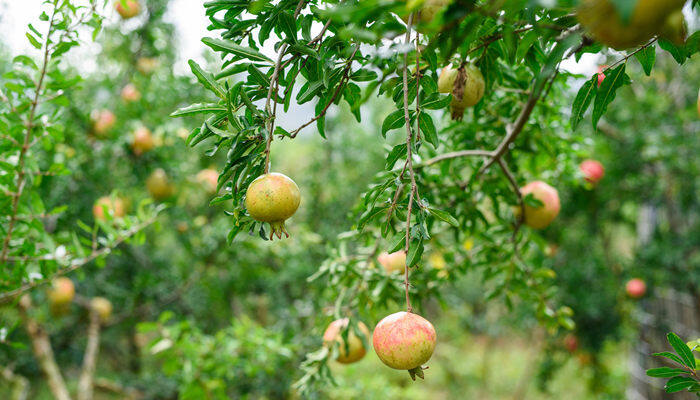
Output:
x=85 y=384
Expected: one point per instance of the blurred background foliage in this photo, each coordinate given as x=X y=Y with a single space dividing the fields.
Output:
x=196 y=318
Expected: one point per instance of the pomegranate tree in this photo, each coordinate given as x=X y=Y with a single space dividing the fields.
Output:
x=404 y=340
x=539 y=217
x=127 y=8
x=394 y=262
x=351 y=351
x=636 y=288
x=592 y=170
x=466 y=84
x=273 y=198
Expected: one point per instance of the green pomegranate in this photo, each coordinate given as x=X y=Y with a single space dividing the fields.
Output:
x=273 y=198
x=466 y=92
x=602 y=21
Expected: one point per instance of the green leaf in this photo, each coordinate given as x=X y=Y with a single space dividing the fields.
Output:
x=647 y=57
x=34 y=41
x=678 y=384
x=425 y=122
x=682 y=349
x=288 y=25
x=394 y=120
x=678 y=52
x=399 y=151
x=444 y=216
x=553 y=60
x=436 y=101
x=583 y=100
x=207 y=79
x=415 y=251
x=614 y=79
x=229 y=46
x=198 y=109
x=669 y=355
x=304 y=50
x=665 y=372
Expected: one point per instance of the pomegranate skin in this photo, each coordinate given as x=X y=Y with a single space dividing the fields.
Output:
x=355 y=350
x=61 y=292
x=593 y=171
x=273 y=198
x=541 y=217
x=115 y=205
x=404 y=340
x=636 y=288
x=132 y=9
x=394 y=262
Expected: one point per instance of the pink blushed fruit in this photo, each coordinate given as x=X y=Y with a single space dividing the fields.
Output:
x=404 y=340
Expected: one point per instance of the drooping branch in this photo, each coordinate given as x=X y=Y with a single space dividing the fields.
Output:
x=20 y=384
x=41 y=345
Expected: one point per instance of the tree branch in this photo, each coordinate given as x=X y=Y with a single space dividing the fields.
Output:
x=21 y=384
x=87 y=374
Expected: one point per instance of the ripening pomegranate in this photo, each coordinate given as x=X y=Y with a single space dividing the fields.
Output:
x=130 y=93
x=61 y=291
x=601 y=75
x=541 y=217
x=142 y=141
x=675 y=28
x=273 y=198
x=147 y=65
x=394 y=262
x=113 y=205
x=592 y=170
x=571 y=343
x=636 y=288
x=404 y=341
x=602 y=21
x=102 y=121
x=129 y=8
x=466 y=85
x=102 y=306
x=355 y=348
x=158 y=185
x=209 y=178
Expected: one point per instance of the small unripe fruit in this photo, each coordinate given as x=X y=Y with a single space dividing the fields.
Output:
x=113 y=205
x=466 y=85
x=142 y=141
x=355 y=348
x=404 y=340
x=636 y=288
x=209 y=179
x=541 y=217
x=158 y=185
x=147 y=65
x=273 y=198
x=102 y=121
x=394 y=262
x=592 y=170
x=426 y=10
x=102 y=306
x=61 y=292
x=129 y=9
x=130 y=93
x=571 y=343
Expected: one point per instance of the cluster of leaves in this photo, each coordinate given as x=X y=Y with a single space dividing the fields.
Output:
x=683 y=373
x=32 y=122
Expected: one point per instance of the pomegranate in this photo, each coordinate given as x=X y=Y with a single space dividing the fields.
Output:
x=592 y=170
x=675 y=28
x=351 y=351
x=273 y=198
x=466 y=84
x=571 y=343
x=142 y=141
x=540 y=217
x=114 y=206
x=394 y=262
x=158 y=185
x=601 y=75
x=130 y=93
x=102 y=121
x=61 y=291
x=602 y=21
x=102 y=306
x=209 y=179
x=636 y=288
x=129 y=8
x=147 y=65
x=428 y=11
x=404 y=341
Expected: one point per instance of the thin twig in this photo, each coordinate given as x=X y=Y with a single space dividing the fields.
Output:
x=409 y=157
x=87 y=374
